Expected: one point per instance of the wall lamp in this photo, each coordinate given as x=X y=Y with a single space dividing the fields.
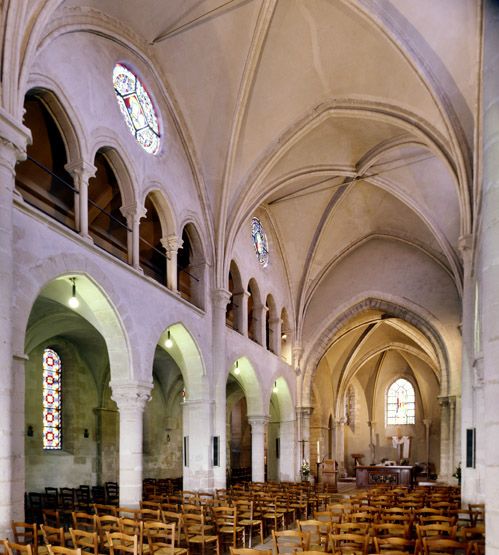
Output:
x=73 y=300
x=168 y=342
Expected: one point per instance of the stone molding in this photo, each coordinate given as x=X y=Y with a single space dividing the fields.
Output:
x=131 y=396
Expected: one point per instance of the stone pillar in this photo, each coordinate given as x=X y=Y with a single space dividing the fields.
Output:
x=427 y=426
x=372 y=445
x=257 y=424
x=171 y=244
x=275 y=336
x=340 y=446
x=133 y=215
x=489 y=267
x=10 y=504
x=260 y=323
x=81 y=172
x=198 y=432
x=303 y=415
x=131 y=399
x=241 y=304
x=445 y=443
x=220 y=298
x=287 y=442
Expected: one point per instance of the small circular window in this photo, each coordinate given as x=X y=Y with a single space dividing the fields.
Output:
x=137 y=108
x=260 y=243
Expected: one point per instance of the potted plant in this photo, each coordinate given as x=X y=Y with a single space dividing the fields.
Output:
x=305 y=470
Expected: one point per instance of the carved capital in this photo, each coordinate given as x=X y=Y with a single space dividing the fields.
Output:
x=220 y=297
x=133 y=212
x=257 y=422
x=131 y=396
x=81 y=171
x=172 y=243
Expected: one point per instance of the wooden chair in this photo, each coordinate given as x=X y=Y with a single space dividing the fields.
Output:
x=53 y=536
x=196 y=534
x=438 y=546
x=247 y=519
x=290 y=541
x=436 y=531
x=84 y=521
x=149 y=514
x=388 y=529
x=349 y=543
x=249 y=551
x=477 y=513
x=60 y=550
x=13 y=548
x=106 y=524
x=51 y=517
x=393 y=544
x=25 y=534
x=229 y=531
x=85 y=540
x=132 y=527
x=100 y=509
x=120 y=543
x=272 y=516
x=161 y=539
x=319 y=533
x=169 y=517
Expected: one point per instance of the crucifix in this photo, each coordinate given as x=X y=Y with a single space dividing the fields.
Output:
x=402 y=444
x=303 y=441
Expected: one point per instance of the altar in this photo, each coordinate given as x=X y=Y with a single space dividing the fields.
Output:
x=327 y=475
x=366 y=476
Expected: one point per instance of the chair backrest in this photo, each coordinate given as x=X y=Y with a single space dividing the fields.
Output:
x=59 y=550
x=51 y=498
x=290 y=541
x=105 y=524
x=159 y=535
x=317 y=530
x=100 y=509
x=442 y=545
x=149 y=514
x=20 y=548
x=436 y=530
x=52 y=535
x=84 y=521
x=392 y=544
x=85 y=540
x=389 y=529
x=25 y=533
x=51 y=517
x=122 y=543
x=248 y=551
x=341 y=543
x=67 y=496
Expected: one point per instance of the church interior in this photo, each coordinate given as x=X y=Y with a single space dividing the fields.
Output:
x=241 y=238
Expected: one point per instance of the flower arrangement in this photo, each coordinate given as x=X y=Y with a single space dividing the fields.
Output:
x=457 y=474
x=305 y=469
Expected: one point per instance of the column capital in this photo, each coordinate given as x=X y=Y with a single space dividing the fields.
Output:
x=133 y=211
x=447 y=400
x=221 y=297
x=427 y=422
x=304 y=411
x=258 y=420
x=172 y=243
x=131 y=396
x=14 y=138
x=81 y=170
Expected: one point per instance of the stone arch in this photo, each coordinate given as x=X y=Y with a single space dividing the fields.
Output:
x=412 y=314
x=249 y=382
x=187 y=355
x=272 y=325
x=98 y=305
x=163 y=206
x=191 y=266
x=255 y=312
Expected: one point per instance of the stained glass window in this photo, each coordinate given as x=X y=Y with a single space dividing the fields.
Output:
x=260 y=241
x=400 y=403
x=137 y=108
x=51 y=400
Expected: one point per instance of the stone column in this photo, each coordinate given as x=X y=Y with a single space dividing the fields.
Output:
x=241 y=305
x=372 y=445
x=10 y=505
x=445 y=444
x=303 y=415
x=340 y=446
x=489 y=266
x=81 y=172
x=220 y=298
x=427 y=426
x=287 y=441
x=257 y=424
x=171 y=244
x=131 y=399
x=260 y=319
x=275 y=335
x=198 y=432
x=133 y=215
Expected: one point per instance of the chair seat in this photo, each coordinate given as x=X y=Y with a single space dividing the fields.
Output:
x=169 y=551
x=201 y=539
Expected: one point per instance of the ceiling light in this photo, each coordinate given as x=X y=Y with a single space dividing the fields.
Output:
x=275 y=390
x=284 y=336
x=237 y=371
x=168 y=342
x=73 y=300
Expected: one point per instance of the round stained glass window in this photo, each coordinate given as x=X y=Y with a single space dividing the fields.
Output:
x=137 y=108
x=260 y=241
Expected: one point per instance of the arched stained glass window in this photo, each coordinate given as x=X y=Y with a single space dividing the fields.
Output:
x=137 y=108
x=400 y=403
x=52 y=431
x=260 y=243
